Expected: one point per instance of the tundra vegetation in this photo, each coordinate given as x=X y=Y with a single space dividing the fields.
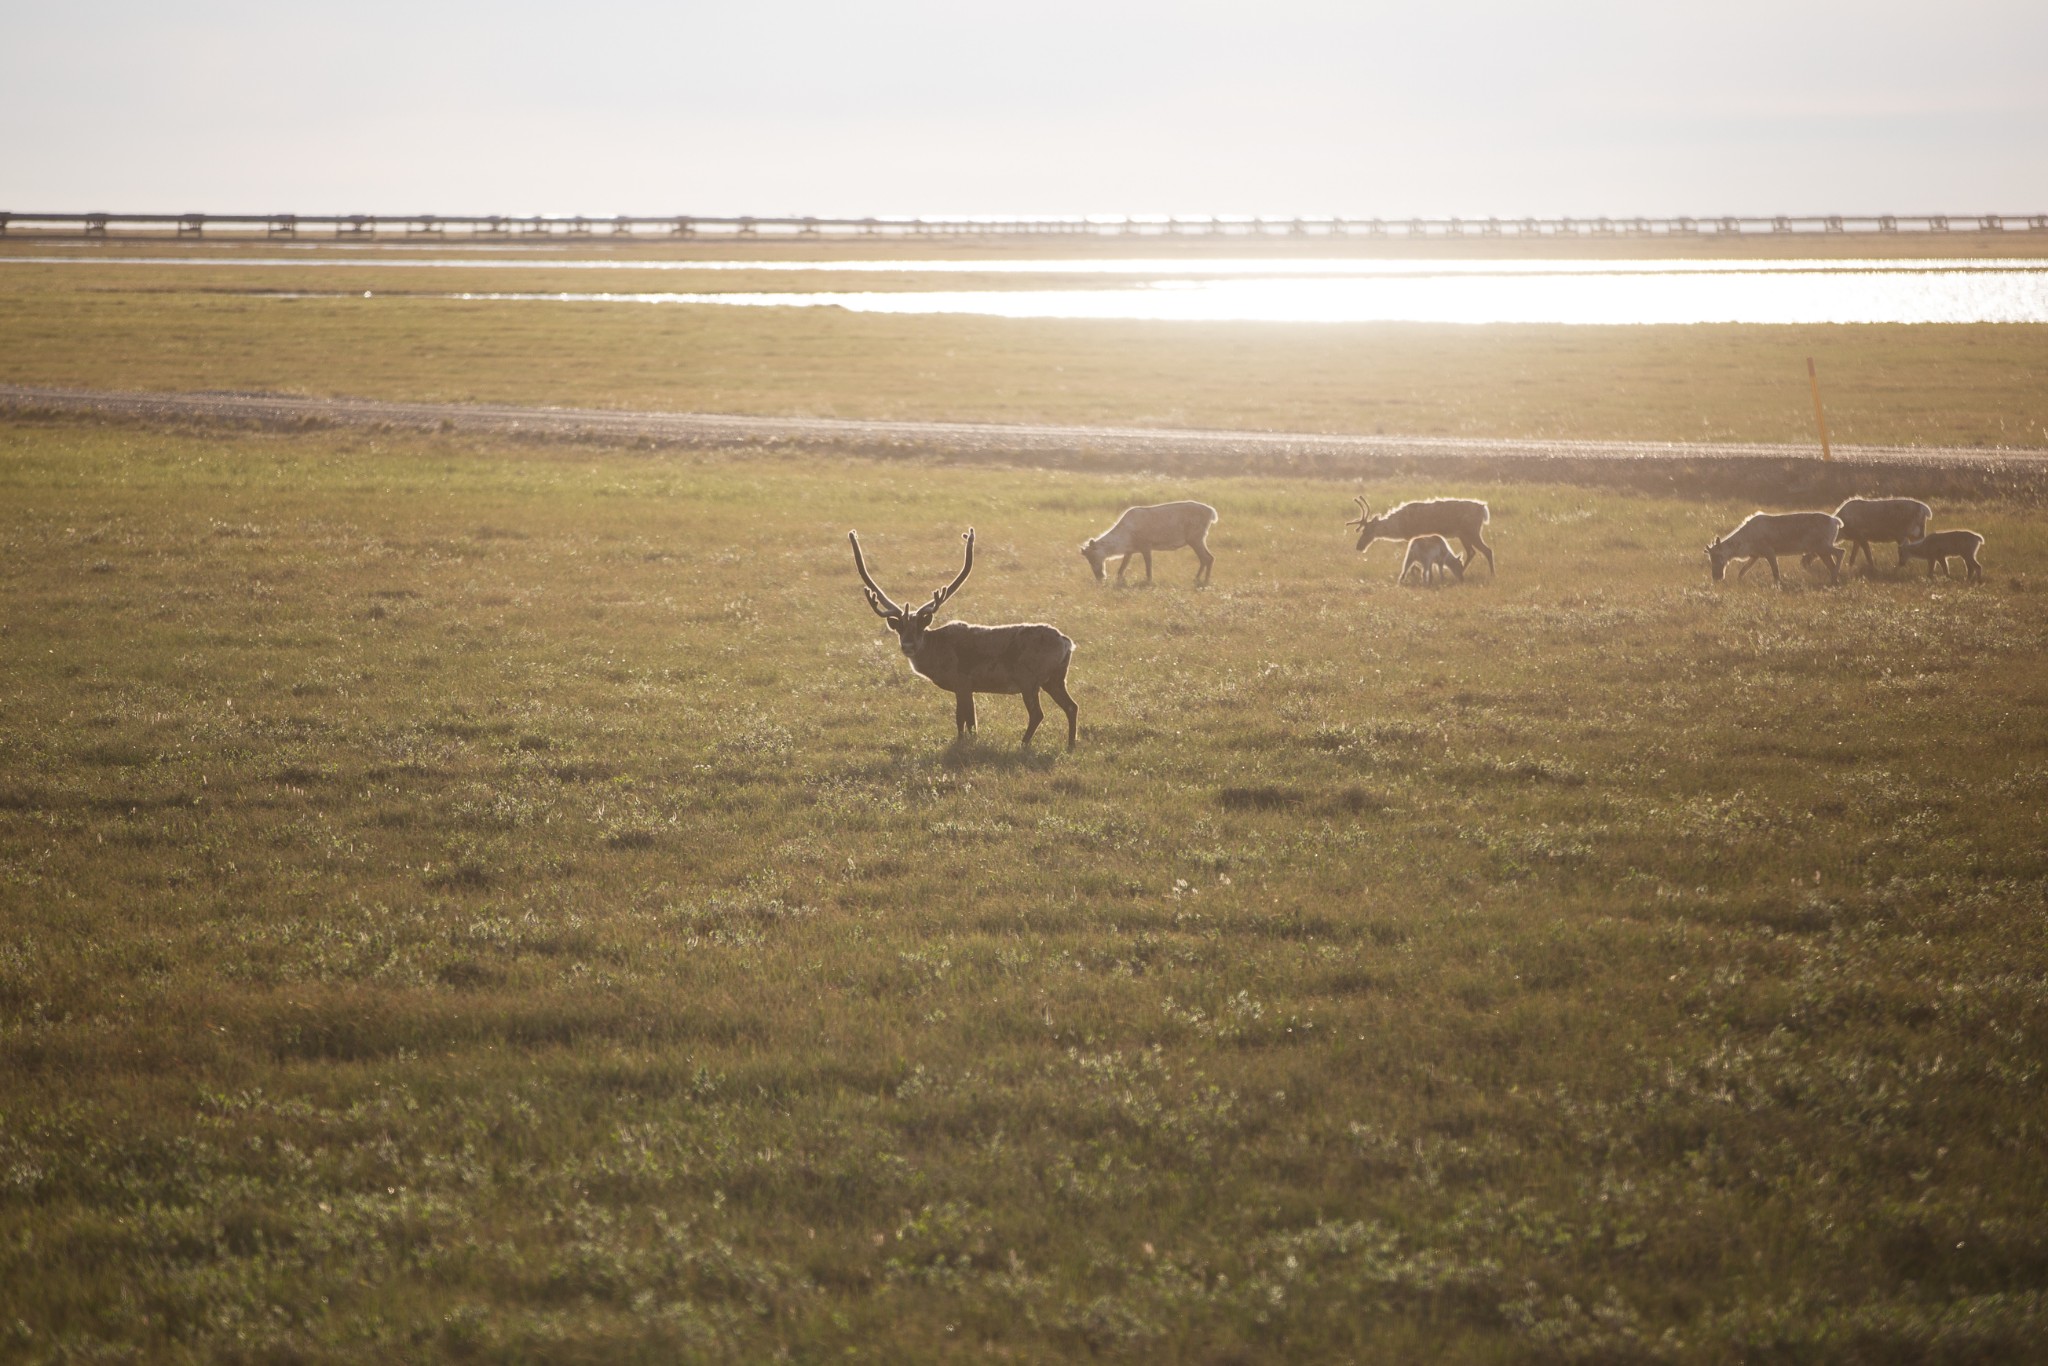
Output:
x=189 y=328
x=474 y=901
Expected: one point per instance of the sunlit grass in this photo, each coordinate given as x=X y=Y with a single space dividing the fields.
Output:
x=157 y=329
x=517 y=904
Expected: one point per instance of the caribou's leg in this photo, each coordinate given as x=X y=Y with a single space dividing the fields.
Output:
x=963 y=712
x=1148 y=564
x=1121 y=566
x=1057 y=690
x=1484 y=549
x=1208 y=563
x=1034 y=711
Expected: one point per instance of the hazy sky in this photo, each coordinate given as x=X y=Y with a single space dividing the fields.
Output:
x=906 y=107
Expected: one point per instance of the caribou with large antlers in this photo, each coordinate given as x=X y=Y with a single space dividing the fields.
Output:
x=965 y=659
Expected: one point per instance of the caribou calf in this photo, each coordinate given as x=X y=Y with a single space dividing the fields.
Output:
x=1767 y=535
x=1432 y=556
x=965 y=659
x=1162 y=526
x=1937 y=546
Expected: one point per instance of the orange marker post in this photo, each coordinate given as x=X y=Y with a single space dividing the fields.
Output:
x=1820 y=418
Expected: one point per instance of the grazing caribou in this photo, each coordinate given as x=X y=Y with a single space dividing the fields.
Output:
x=1162 y=526
x=965 y=659
x=1462 y=518
x=1767 y=535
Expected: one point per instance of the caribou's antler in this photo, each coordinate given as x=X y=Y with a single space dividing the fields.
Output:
x=1364 y=512
x=877 y=599
x=958 y=579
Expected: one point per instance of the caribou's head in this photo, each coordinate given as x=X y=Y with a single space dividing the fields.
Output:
x=1092 y=551
x=1718 y=556
x=1368 y=526
x=909 y=625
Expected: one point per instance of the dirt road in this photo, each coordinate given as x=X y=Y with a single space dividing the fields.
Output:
x=1128 y=448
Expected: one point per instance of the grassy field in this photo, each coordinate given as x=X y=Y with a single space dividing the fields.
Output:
x=165 y=328
x=494 y=903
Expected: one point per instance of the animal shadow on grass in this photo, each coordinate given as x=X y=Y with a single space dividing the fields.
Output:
x=970 y=753
x=1351 y=800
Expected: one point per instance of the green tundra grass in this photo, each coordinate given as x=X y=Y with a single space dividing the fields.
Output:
x=156 y=327
x=481 y=902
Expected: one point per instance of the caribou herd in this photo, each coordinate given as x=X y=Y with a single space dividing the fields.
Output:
x=1027 y=658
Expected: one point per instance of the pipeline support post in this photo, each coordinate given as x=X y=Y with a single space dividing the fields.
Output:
x=1820 y=417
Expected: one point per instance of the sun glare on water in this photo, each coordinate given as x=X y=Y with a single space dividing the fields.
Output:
x=1611 y=299
x=1330 y=290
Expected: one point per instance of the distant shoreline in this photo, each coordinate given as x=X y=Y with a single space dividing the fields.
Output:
x=1704 y=468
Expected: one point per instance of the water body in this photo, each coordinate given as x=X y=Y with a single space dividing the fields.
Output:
x=1589 y=299
x=1334 y=290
